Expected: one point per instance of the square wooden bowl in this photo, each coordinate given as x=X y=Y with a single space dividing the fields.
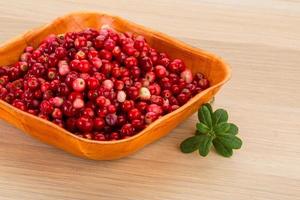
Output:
x=195 y=59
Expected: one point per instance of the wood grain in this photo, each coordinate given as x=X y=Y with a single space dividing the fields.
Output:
x=260 y=40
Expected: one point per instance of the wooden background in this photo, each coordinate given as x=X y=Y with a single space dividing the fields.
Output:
x=261 y=41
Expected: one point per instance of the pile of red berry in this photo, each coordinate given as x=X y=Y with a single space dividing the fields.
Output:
x=98 y=84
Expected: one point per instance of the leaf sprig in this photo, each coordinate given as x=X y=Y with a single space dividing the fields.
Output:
x=213 y=130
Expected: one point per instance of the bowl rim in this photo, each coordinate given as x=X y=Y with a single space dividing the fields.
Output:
x=164 y=36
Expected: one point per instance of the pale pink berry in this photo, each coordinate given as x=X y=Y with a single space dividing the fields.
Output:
x=121 y=96
x=57 y=101
x=187 y=76
x=63 y=68
x=78 y=85
x=78 y=103
x=108 y=84
x=144 y=93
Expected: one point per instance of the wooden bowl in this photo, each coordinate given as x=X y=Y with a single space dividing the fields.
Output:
x=197 y=60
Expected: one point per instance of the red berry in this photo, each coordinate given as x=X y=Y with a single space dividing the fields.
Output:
x=133 y=93
x=109 y=44
x=155 y=108
x=60 y=52
x=127 y=105
x=46 y=107
x=99 y=123
x=134 y=114
x=203 y=83
x=78 y=85
x=80 y=42
x=182 y=98
x=84 y=66
x=111 y=108
x=92 y=83
x=150 y=117
x=57 y=113
x=87 y=111
x=146 y=64
x=85 y=124
x=99 y=137
x=127 y=130
x=119 y=85
x=130 y=62
x=68 y=109
x=33 y=83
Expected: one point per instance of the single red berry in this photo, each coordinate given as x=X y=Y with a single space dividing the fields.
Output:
x=46 y=107
x=150 y=117
x=127 y=130
x=109 y=44
x=78 y=85
x=105 y=54
x=99 y=123
x=99 y=137
x=71 y=124
x=92 y=83
x=33 y=83
x=102 y=112
x=68 y=109
x=130 y=62
x=57 y=113
x=128 y=105
x=85 y=124
x=134 y=114
x=101 y=101
x=133 y=93
x=60 y=52
x=146 y=64
x=89 y=112
x=138 y=124
x=155 y=108
x=80 y=42
x=156 y=100
x=119 y=85
x=203 y=83
x=114 y=136
x=111 y=109
x=84 y=66
x=182 y=98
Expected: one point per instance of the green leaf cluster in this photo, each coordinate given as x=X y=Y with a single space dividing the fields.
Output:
x=213 y=129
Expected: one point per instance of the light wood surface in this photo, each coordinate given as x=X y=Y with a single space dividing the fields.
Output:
x=260 y=40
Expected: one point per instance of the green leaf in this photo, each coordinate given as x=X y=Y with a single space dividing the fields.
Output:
x=220 y=116
x=222 y=128
x=204 y=115
x=190 y=144
x=233 y=130
x=209 y=108
x=205 y=145
x=221 y=148
x=231 y=141
x=202 y=128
